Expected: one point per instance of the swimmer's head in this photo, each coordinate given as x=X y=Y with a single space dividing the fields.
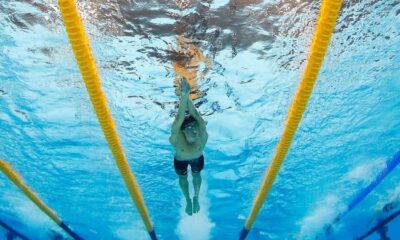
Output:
x=190 y=129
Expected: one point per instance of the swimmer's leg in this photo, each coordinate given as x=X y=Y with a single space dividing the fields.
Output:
x=196 y=184
x=184 y=184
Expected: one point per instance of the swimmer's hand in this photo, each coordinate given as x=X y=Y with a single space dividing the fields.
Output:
x=184 y=87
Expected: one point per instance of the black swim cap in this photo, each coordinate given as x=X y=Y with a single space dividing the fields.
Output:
x=188 y=119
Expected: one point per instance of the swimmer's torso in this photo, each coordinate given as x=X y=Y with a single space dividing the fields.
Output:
x=185 y=151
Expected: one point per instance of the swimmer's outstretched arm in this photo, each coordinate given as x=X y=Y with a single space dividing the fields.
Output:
x=200 y=121
x=193 y=111
x=183 y=105
x=202 y=125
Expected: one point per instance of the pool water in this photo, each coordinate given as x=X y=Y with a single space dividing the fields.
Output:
x=251 y=55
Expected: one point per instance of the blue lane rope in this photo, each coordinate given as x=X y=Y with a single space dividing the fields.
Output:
x=390 y=165
x=380 y=224
x=12 y=231
x=153 y=235
x=69 y=231
x=243 y=233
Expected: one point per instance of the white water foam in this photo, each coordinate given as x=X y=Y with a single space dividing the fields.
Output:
x=365 y=172
x=327 y=209
x=324 y=213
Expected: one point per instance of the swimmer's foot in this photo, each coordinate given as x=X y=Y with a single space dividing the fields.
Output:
x=196 y=205
x=189 y=208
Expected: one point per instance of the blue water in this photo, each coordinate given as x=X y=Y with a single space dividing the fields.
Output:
x=51 y=136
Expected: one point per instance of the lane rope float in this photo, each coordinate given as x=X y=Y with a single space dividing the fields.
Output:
x=87 y=65
x=17 y=180
x=326 y=23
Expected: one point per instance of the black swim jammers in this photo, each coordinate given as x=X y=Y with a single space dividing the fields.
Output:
x=196 y=165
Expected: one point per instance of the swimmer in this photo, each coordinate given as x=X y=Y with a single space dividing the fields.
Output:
x=188 y=137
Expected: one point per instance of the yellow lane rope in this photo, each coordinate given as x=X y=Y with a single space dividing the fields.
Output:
x=326 y=23
x=17 y=180
x=81 y=48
